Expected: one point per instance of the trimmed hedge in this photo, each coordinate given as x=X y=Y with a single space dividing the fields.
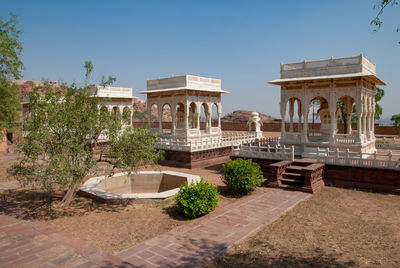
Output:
x=198 y=199
x=242 y=176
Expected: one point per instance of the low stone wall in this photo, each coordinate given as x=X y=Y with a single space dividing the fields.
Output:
x=376 y=179
x=373 y=179
x=197 y=159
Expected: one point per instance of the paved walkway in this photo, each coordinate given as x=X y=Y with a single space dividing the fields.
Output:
x=28 y=243
x=194 y=244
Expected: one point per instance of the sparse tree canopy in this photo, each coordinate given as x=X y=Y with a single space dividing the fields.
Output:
x=382 y=5
x=379 y=94
x=396 y=119
x=10 y=68
x=62 y=130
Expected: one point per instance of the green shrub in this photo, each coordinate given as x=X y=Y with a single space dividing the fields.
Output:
x=196 y=200
x=242 y=176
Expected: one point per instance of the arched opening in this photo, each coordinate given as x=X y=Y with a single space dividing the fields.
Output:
x=116 y=114
x=180 y=116
x=154 y=120
x=126 y=116
x=319 y=120
x=293 y=115
x=166 y=118
x=103 y=112
x=347 y=114
x=214 y=115
x=193 y=116
x=204 y=117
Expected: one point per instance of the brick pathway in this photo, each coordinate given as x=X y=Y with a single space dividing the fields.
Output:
x=28 y=243
x=194 y=244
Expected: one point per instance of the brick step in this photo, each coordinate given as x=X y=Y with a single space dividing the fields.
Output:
x=304 y=162
x=293 y=182
x=294 y=169
x=289 y=175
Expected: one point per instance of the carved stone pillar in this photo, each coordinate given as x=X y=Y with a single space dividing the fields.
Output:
x=299 y=126
x=186 y=119
x=198 y=116
x=333 y=126
x=349 y=109
x=209 y=120
x=283 y=113
x=305 y=126
x=291 y=110
x=373 y=118
x=148 y=106
x=173 y=127
x=160 y=112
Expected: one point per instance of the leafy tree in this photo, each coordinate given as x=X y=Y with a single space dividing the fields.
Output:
x=379 y=93
x=63 y=128
x=396 y=119
x=383 y=4
x=10 y=68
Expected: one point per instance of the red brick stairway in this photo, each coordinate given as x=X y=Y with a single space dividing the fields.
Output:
x=302 y=174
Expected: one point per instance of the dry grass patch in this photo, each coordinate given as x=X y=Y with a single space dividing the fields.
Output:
x=334 y=228
x=111 y=227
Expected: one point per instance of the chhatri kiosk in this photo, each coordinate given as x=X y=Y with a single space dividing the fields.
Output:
x=351 y=80
x=187 y=141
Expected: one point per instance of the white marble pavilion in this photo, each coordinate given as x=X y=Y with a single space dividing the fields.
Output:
x=351 y=80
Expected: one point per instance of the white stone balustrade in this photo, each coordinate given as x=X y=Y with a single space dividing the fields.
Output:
x=264 y=152
x=203 y=143
x=345 y=138
x=347 y=158
x=387 y=143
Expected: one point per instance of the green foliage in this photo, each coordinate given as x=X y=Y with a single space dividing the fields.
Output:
x=134 y=147
x=195 y=200
x=10 y=49
x=242 y=176
x=396 y=119
x=379 y=94
x=9 y=105
x=88 y=65
x=62 y=130
x=382 y=5
x=10 y=68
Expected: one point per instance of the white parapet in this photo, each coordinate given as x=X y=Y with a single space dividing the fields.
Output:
x=112 y=92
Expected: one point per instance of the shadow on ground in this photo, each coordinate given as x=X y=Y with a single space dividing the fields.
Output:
x=41 y=205
x=318 y=259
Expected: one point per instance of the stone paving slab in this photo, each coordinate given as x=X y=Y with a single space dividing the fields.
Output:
x=29 y=243
x=197 y=243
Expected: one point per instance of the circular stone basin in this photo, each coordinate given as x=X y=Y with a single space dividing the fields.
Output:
x=138 y=185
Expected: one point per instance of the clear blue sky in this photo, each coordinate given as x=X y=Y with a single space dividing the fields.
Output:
x=240 y=42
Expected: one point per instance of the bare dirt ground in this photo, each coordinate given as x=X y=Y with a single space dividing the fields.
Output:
x=110 y=227
x=334 y=228
x=6 y=160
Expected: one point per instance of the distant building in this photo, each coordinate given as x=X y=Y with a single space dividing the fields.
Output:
x=114 y=99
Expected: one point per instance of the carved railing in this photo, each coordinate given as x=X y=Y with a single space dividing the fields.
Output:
x=264 y=152
x=387 y=143
x=347 y=158
x=345 y=138
x=203 y=143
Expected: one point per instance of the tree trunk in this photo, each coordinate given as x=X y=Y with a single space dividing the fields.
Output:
x=70 y=195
